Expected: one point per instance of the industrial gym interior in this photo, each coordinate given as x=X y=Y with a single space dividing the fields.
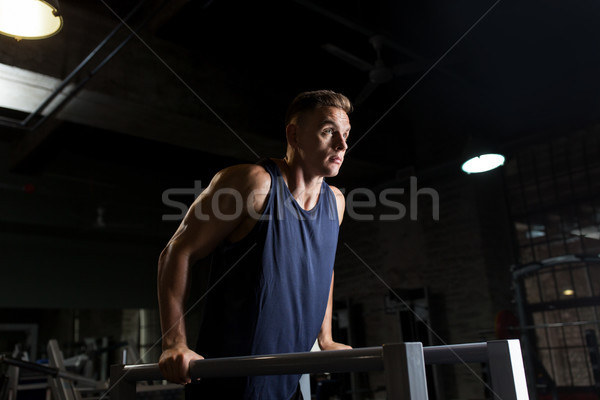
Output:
x=110 y=127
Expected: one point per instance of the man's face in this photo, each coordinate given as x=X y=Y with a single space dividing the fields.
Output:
x=321 y=136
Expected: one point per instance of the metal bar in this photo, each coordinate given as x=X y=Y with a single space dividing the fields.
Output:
x=404 y=364
x=55 y=372
x=61 y=389
x=365 y=359
x=507 y=371
x=13 y=382
x=529 y=355
x=362 y=359
x=404 y=368
x=456 y=353
x=13 y=123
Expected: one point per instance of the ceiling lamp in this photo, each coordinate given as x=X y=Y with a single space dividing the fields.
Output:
x=480 y=157
x=29 y=19
x=483 y=163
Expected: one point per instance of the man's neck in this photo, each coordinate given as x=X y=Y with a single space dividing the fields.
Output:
x=304 y=187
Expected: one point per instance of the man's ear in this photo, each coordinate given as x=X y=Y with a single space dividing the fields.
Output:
x=291 y=134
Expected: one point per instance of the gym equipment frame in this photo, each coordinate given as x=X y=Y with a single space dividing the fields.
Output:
x=402 y=363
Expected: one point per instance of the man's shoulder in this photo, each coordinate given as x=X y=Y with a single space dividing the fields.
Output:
x=244 y=176
x=340 y=201
x=337 y=192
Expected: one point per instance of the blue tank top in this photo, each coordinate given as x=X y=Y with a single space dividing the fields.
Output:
x=270 y=289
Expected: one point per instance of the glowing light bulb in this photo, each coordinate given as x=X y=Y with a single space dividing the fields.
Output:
x=483 y=163
x=29 y=19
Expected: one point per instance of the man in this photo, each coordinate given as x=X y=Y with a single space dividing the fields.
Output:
x=272 y=230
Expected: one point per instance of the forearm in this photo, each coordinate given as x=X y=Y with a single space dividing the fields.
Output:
x=325 y=335
x=325 y=338
x=173 y=284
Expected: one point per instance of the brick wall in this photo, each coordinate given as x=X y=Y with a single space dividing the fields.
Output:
x=463 y=259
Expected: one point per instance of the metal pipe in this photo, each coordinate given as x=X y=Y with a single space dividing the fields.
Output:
x=55 y=372
x=13 y=123
x=362 y=359
x=81 y=84
x=456 y=353
x=365 y=359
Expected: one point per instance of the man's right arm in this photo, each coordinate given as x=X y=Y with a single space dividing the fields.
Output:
x=214 y=216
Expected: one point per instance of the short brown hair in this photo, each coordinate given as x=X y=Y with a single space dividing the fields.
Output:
x=317 y=98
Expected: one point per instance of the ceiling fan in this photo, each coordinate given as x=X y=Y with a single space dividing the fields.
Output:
x=378 y=72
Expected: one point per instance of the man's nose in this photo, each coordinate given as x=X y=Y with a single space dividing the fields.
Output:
x=341 y=144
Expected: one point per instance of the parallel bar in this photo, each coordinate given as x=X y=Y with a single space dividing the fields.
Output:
x=507 y=371
x=456 y=353
x=404 y=368
x=363 y=359
x=403 y=363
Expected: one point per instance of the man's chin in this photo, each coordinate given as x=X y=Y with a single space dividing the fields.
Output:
x=333 y=172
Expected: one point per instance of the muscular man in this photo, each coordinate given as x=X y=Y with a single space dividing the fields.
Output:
x=272 y=231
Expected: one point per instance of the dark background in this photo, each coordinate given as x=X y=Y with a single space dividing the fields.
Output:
x=87 y=198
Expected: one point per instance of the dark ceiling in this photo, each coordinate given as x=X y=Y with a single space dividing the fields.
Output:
x=507 y=69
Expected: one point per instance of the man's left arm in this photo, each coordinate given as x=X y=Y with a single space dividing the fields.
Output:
x=325 y=337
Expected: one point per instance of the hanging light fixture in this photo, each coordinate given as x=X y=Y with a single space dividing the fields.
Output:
x=29 y=19
x=483 y=163
x=480 y=157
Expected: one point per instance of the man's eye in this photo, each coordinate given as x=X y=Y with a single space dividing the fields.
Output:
x=328 y=131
